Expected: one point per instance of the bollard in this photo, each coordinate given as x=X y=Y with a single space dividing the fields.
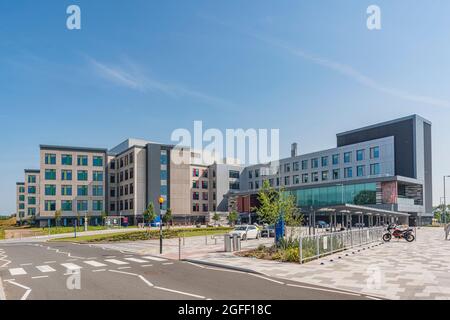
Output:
x=318 y=245
x=300 y=248
x=183 y=240
x=179 y=248
x=206 y=240
x=227 y=243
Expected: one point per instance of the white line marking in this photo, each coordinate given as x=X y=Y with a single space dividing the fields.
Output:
x=154 y=258
x=146 y=281
x=373 y=298
x=167 y=263
x=147 y=265
x=99 y=270
x=129 y=273
x=27 y=293
x=17 y=271
x=116 y=261
x=121 y=268
x=321 y=289
x=72 y=260
x=39 y=277
x=136 y=260
x=71 y=266
x=95 y=263
x=110 y=257
x=268 y=279
x=45 y=269
x=26 y=264
x=48 y=262
x=181 y=292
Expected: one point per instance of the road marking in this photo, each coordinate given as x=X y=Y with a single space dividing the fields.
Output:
x=154 y=258
x=99 y=270
x=265 y=278
x=181 y=292
x=95 y=263
x=116 y=261
x=27 y=293
x=121 y=268
x=48 y=262
x=136 y=260
x=45 y=268
x=373 y=298
x=322 y=289
x=146 y=281
x=129 y=273
x=167 y=263
x=147 y=265
x=26 y=264
x=72 y=259
x=71 y=266
x=17 y=271
x=39 y=277
x=110 y=257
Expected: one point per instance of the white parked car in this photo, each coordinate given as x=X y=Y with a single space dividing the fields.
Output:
x=246 y=232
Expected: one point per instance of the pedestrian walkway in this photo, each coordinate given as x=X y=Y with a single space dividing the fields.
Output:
x=394 y=270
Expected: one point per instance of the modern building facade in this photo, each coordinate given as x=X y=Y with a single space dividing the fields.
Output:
x=385 y=166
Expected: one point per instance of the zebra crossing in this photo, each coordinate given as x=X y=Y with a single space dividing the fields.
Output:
x=80 y=264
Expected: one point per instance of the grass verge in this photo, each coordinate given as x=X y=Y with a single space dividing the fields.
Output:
x=146 y=235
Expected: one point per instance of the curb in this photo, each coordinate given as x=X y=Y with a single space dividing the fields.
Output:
x=218 y=265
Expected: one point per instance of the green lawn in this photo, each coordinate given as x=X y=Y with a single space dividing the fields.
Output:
x=2 y=234
x=147 y=235
x=60 y=230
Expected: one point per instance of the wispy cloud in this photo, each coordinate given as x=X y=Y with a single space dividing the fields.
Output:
x=338 y=67
x=129 y=75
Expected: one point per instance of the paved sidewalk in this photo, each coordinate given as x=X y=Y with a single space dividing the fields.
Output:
x=395 y=270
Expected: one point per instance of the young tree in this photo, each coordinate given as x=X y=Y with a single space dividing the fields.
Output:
x=103 y=217
x=168 y=217
x=58 y=217
x=232 y=217
x=149 y=213
x=215 y=217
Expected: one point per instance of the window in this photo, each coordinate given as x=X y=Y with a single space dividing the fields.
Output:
x=32 y=200
x=112 y=166
x=314 y=176
x=271 y=182
x=314 y=163
x=296 y=166
x=97 y=176
x=360 y=171
x=324 y=161
x=50 y=174
x=31 y=211
x=121 y=191
x=97 y=161
x=126 y=174
x=305 y=178
x=204 y=195
x=163 y=158
x=82 y=205
x=112 y=193
x=324 y=175
x=256 y=173
x=112 y=179
x=66 y=175
x=195 y=195
x=121 y=176
x=112 y=206
x=82 y=175
x=360 y=155
x=66 y=160
x=256 y=184
x=287 y=167
x=375 y=169
x=335 y=159
x=131 y=173
x=50 y=205
x=195 y=172
x=31 y=179
x=214 y=197
x=32 y=190
x=296 y=179
x=336 y=174
x=163 y=175
x=347 y=157
x=126 y=190
x=234 y=174
x=121 y=205
x=214 y=184
x=82 y=191
x=195 y=207
x=50 y=158
x=234 y=185
x=250 y=174
x=22 y=197
x=22 y=206
x=121 y=162
x=66 y=190
x=374 y=153
x=163 y=192
x=304 y=164
x=131 y=204
x=66 y=205
x=97 y=205
x=348 y=172
x=250 y=185
x=97 y=191
x=21 y=189
x=83 y=161
x=205 y=173
x=287 y=180
x=195 y=184
x=204 y=184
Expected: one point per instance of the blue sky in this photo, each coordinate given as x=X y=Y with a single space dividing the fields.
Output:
x=144 y=68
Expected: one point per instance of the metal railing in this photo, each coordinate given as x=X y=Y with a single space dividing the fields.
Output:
x=315 y=246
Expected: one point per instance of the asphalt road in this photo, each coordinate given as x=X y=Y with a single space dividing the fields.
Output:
x=65 y=271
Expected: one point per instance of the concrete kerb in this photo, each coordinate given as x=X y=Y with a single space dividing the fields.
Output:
x=222 y=266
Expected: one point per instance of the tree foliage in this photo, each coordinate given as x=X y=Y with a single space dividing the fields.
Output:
x=149 y=213
x=232 y=217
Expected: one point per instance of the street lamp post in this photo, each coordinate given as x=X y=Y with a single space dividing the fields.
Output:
x=445 y=202
x=161 y=201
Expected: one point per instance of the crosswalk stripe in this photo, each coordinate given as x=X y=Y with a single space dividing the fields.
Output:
x=136 y=260
x=95 y=263
x=17 y=271
x=116 y=261
x=45 y=268
x=71 y=266
x=154 y=258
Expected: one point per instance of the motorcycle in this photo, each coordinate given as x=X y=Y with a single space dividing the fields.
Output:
x=396 y=232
